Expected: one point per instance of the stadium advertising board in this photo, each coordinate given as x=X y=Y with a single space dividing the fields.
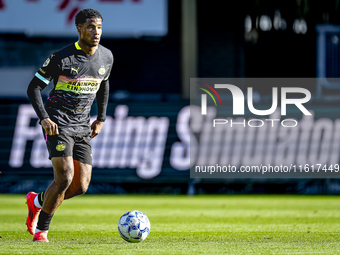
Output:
x=140 y=143
x=122 y=18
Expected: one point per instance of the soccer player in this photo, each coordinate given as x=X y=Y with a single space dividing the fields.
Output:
x=80 y=74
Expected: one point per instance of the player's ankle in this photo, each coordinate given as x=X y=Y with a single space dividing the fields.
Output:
x=38 y=200
x=44 y=221
x=38 y=230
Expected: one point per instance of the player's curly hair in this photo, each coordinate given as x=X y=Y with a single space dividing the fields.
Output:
x=88 y=13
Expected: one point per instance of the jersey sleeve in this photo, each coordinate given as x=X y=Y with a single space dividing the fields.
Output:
x=50 y=69
x=109 y=71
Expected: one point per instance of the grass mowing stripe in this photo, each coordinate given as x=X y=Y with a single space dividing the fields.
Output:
x=217 y=224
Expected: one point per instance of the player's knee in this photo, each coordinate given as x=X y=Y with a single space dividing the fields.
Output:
x=84 y=184
x=64 y=182
x=83 y=188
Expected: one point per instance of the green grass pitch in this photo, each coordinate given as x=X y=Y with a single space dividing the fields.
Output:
x=202 y=224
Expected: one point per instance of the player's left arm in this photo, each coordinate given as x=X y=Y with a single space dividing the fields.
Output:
x=102 y=100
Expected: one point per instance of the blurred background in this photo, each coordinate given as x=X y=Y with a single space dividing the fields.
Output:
x=157 y=46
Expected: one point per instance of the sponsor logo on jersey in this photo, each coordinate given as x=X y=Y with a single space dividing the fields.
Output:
x=84 y=85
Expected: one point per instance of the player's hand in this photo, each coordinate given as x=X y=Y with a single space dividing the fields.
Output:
x=50 y=127
x=96 y=128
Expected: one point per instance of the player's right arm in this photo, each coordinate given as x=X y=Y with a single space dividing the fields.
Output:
x=46 y=73
x=34 y=94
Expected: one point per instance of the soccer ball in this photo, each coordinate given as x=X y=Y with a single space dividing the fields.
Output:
x=134 y=226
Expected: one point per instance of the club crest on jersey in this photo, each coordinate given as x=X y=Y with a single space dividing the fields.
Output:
x=60 y=146
x=101 y=71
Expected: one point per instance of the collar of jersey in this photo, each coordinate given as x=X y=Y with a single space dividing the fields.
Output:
x=77 y=45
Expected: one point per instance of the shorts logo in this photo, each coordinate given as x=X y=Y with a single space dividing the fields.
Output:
x=60 y=146
x=101 y=71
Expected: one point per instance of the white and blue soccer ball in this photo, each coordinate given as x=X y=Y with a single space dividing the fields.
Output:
x=134 y=226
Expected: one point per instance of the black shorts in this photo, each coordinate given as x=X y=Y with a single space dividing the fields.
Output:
x=77 y=146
